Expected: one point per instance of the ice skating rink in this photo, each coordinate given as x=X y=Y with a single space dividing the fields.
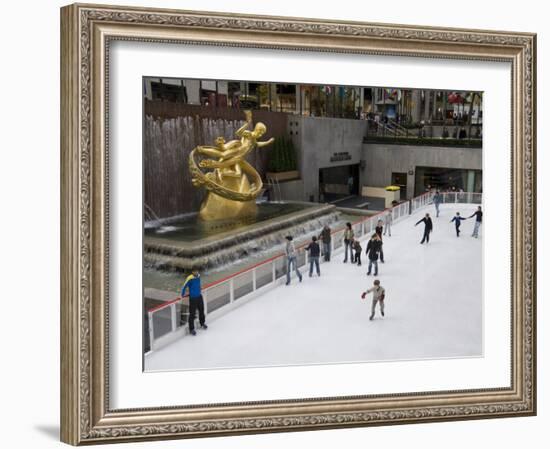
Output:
x=434 y=308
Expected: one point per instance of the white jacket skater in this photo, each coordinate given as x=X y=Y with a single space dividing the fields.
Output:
x=378 y=295
x=388 y=221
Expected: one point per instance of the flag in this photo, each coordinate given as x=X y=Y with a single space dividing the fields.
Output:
x=390 y=94
x=455 y=98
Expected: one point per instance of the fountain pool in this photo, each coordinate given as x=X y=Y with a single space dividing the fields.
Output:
x=190 y=228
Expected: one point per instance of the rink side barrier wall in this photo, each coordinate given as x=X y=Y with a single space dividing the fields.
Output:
x=223 y=295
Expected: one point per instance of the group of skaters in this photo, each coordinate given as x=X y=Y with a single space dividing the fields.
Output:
x=352 y=248
x=437 y=199
x=374 y=249
x=352 y=252
x=457 y=220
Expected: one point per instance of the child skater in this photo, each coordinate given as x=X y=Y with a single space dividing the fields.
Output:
x=457 y=219
x=357 y=248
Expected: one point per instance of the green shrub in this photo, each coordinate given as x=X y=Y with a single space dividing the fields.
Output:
x=282 y=156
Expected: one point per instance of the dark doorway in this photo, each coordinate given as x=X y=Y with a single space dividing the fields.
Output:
x=338 y=182
x=354 y=174
x=400 y=180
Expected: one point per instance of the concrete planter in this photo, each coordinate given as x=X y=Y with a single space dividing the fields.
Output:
x=381 y=192
x=283 y=175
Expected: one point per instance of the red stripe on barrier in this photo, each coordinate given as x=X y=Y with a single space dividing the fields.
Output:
x=164 y=305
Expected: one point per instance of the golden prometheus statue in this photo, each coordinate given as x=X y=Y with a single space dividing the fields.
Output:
x=233 y=184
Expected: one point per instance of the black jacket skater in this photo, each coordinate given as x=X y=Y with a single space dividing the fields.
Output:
x=373 y=248
x=428 y=227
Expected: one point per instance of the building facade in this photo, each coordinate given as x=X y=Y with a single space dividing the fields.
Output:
x=345 y=138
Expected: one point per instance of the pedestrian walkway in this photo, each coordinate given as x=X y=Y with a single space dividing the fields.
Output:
x=356 y=201
x=433 y=309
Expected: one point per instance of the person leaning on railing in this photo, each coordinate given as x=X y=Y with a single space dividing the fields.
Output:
x=196 y=302
x=348 y=239
x=290 y=252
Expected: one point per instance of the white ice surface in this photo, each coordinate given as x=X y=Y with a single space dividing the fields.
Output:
x=434 y=309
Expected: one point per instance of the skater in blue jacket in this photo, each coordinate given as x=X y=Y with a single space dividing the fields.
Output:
x=196 y=302
x=457 y=219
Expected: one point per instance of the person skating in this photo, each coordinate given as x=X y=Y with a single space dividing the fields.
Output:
x=196 y=302
x=348 y=238
x=373 y=248
x=388 y=221
x=378 y=230
x=378 y=295
x=479 y=215
x=437 y=200
x=457 y=219
x=358 y=249
x=314 y=253
x=428 y=228
x=290 y=252
x=326 y=239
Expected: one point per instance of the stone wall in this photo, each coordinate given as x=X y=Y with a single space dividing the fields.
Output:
x=317 y=141
x=290 y=190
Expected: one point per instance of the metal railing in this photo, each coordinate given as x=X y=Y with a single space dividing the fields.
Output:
x=461 y=197
x=390 y=129
x=222 y=295
x=429 y=133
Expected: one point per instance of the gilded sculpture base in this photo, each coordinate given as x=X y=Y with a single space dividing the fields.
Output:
x=216 y=207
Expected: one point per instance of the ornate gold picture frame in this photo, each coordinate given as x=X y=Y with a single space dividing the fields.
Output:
x=87 y=32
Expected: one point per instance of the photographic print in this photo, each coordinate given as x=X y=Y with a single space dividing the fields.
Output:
x=295 y=224
x=315 y=224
